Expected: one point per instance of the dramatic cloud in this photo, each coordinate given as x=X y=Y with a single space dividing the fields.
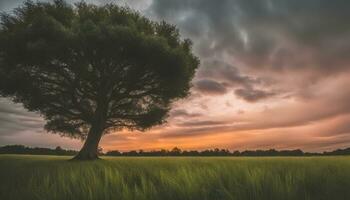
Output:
x=280 y=35
x=266 y=39
x=13 y=118
x=253 y=95
x=210 y=87
x=202 y=123
x=183 y=113
x=226 y=73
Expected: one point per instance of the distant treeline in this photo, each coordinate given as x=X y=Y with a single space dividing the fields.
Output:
x=224 y=152
x=20 y=149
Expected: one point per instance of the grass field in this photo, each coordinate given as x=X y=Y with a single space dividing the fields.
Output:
x=54 y=178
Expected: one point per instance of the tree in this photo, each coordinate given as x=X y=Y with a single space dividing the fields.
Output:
x=89 y=70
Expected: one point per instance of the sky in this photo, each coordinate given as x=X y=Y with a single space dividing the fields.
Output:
x=273 y=74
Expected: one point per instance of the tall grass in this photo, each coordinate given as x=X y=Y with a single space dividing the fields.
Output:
x=54 y=178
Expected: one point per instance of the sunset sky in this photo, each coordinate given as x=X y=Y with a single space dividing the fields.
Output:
x=273 y=74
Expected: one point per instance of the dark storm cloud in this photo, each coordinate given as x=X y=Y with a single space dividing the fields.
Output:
x=195 y=131
x=226 y=73
x=202 y=123
x=230 y=78
x=210 y=87
x=273 y=34
x=183 y=113
x=14 y=119
x=253 y=95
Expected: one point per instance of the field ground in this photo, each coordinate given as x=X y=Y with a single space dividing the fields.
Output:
x=54 y=178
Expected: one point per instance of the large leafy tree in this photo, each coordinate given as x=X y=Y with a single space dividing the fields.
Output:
x=89 y=70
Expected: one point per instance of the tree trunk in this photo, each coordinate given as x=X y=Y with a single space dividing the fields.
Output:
x=90 y=149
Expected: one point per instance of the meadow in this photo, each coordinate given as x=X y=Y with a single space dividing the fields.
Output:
x=169 y=178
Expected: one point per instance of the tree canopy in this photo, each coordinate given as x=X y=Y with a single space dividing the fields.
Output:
x=91 y=69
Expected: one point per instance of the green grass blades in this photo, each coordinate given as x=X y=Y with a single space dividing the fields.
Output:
x=167 y=178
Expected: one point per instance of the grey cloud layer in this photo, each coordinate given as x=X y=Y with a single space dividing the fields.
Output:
x=267 y=38
x=253 y=95
x=210 y=87
x=14 y=119
x=217 y=77
x=266 y=33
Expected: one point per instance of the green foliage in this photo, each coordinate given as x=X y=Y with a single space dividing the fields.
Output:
x=50 y=177
x=85 y=65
